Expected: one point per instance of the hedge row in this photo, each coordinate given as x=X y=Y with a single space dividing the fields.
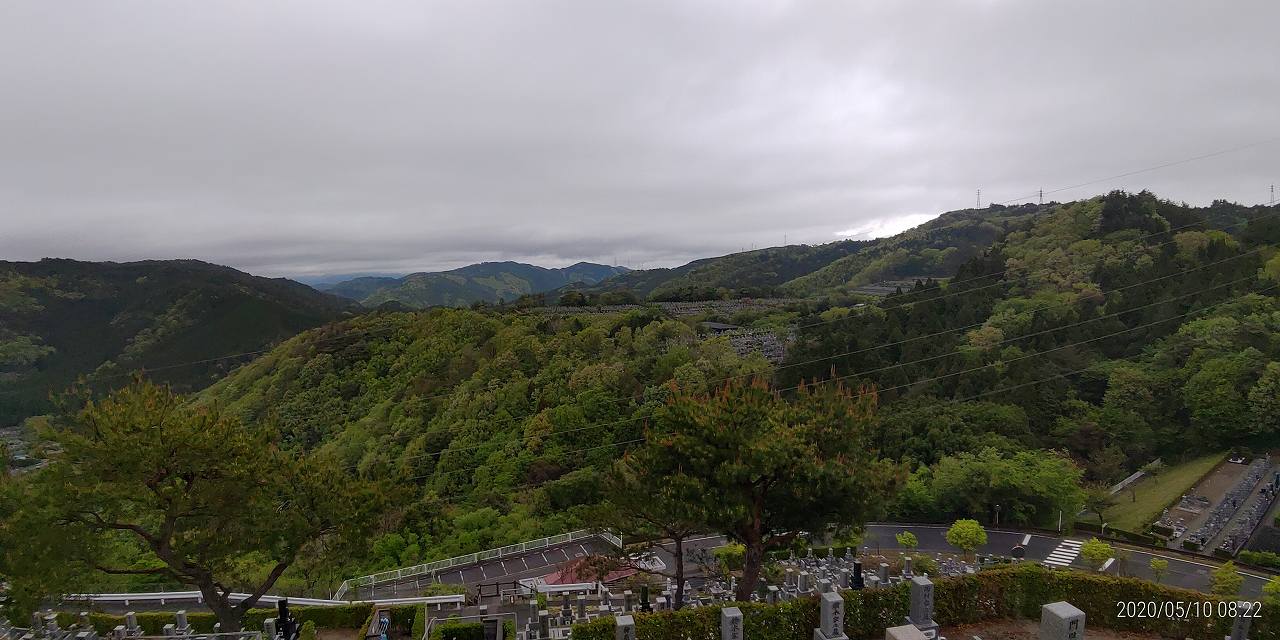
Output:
x=1007 y=592
x=1131 y=536
x=352 y=616
x=458 y=630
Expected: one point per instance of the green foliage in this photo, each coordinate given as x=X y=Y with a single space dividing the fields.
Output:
x=308 y=631
x=767 y=468
x=187 y=489
x=907 y=540
x=1095 y=552
x=1225 y=581
x=61 y=320
x=966 y=535
x=488 y=282
x=1269 y=559
x=731 y=556
x=1031 y=487
x=457 y=630
x=1159 y=568
x=989 y=595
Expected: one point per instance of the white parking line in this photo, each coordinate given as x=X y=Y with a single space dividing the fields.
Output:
x=1026 y=540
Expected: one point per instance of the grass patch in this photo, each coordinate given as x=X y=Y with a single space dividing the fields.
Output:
x=1153 y=494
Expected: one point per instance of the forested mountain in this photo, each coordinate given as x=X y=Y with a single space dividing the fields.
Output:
x=62 y=319
x=462 y=410
x=1086 y=339
x=484 y=282
x=935 y=249
x=1114 y=329
x=1117 y=329
x=756 y=273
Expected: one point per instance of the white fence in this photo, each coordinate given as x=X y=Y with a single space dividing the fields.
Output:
x=164 y=597
x=430 y=568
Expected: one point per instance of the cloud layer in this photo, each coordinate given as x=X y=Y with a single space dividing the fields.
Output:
x=304 y=137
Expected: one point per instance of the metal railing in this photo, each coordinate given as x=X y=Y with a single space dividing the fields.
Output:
x=177 y=596
x=428 y=568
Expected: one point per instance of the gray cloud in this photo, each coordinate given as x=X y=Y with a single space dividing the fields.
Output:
x=302 y=137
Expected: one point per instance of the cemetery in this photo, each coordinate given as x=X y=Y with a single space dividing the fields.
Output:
x=1221 y=514
x=833 y=597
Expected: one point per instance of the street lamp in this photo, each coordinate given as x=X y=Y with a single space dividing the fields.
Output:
x=997 y=515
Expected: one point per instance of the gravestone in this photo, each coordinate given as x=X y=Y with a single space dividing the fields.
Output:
x=921 y=612
x=802 y=582
x=905 y=632
x=883 y=574
x=625 y=628
x=171 y=630
x=644 y=599
x=842 y=578
x=544 y=623
x=906 y=566
x=582 y=606
x=857 y=574
x=118 y=633
x=1240 y=626
x=771 y=594
x=730 y=623
x=628 y=600
x=831 y=620
x=1061 y=621
x=269 y=628
x=181 y=622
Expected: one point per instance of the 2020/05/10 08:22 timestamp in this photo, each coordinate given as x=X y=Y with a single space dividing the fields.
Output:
x=1179 y=610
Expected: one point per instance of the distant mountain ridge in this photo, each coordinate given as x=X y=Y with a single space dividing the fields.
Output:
x=490 y=282
x=61 y=320
x=933 y=249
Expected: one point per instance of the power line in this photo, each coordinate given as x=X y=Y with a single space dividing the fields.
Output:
x=1149 y=169
x=902 y=364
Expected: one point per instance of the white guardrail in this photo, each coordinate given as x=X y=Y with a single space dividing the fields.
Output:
x=164 y=597
x=473 y=558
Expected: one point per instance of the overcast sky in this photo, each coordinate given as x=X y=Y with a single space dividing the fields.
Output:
x=308 y=137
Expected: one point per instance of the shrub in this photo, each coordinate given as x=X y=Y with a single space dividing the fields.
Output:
x=458 y=630
x=308 y=631
x=731 y=556
x=1261 y=558
x=1016 y=591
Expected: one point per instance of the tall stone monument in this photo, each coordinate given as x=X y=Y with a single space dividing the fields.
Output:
x=921 y=612
x=730 y=623
x=831 y=620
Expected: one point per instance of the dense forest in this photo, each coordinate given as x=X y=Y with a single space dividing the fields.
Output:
x=61 y=320
x=1082 y=341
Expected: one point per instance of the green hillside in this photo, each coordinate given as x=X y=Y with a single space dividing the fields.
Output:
x=63 y=319
x=935 y=249
x=488 y=282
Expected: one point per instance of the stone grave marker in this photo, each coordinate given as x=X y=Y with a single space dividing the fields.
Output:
x=883 y=574
x=1061 y=621
x=831 y=618
x=905 y=632
x=730 y=623
x=625 y=628
x=921 y=612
